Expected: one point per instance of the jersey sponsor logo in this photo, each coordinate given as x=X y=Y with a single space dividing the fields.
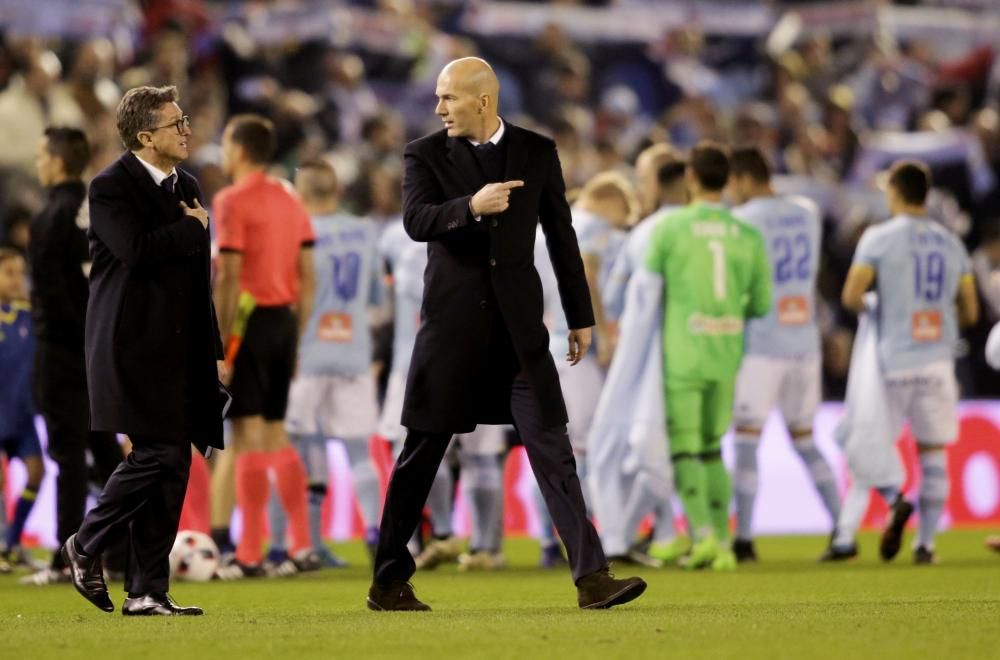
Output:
x=709 y=229
x=793 y=310
x=700 y=324
x=335 y=327
x=925 y=326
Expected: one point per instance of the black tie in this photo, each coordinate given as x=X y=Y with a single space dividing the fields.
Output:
x=485 y=149
x=169 y=183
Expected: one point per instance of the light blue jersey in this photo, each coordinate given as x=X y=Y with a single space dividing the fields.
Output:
x=918 y=265
x=792 y=231
x=392 y=242
x=337 y=341
x=408 y=288
x=630 y=258
x=597 y=237
x=553 y=314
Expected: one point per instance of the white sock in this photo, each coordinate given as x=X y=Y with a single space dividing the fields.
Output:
x=745 y=482
x=933 y=494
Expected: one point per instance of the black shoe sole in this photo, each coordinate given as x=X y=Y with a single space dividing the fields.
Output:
x=108 y=606
x=628 y=593
x=375 y=607
x=892 y=537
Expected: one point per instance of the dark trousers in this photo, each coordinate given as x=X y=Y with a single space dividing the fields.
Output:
x=61 y=396
x=551 y=459
x=145 y=496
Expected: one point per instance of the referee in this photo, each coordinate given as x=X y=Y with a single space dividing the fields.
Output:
x=265 y=243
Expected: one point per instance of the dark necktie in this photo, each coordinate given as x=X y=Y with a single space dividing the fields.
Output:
x=485 y=149
x=169 y=184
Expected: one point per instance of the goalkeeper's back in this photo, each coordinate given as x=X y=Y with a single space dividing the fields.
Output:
x=716 y=275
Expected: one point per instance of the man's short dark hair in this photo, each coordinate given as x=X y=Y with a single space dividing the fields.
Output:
x=140 y=111
x=912 y=180
x=750 y=161
x=256 y=135
x=710 y=165
x=670 y=172
x=69 y=145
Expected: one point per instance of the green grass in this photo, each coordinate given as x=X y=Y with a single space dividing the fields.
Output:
x=785 y=607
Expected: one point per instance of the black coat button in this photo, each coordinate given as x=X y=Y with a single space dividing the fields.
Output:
x=482 y=303
x=494 y=222
x=493 y=262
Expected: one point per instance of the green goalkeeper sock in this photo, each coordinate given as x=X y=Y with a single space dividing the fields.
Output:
x=689 y=477
x=720 y=491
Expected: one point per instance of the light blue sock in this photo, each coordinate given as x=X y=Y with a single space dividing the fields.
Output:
x=278 y=521
x=933 y=494
x=547 y=532
x=888 y=493
x=482 y=486
x=745 y=481
x=366 y=485
x=820 y=473
x=312 y=450
x=441 y=501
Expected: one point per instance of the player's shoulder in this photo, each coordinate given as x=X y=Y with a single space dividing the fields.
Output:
x=804 y=204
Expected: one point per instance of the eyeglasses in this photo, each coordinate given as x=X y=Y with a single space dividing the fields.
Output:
x=181 y=125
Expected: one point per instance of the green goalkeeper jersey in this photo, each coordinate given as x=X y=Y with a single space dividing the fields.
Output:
x=716 y=274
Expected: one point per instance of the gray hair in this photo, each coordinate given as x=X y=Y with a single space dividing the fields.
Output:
x=139 y=111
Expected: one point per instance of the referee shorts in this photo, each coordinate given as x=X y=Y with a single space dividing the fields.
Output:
x=265 y=364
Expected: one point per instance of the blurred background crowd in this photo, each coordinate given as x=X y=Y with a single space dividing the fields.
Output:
x=832 y=91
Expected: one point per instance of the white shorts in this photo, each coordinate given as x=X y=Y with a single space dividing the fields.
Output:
x=486 y=440
x=389 y=426
x=337 y=406
x=581 y=387
x=928 y=397
x=790 y=384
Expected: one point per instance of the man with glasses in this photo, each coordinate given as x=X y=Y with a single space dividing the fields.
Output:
x=154 y=355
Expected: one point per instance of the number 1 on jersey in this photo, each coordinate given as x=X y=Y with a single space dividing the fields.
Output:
x=718 y=251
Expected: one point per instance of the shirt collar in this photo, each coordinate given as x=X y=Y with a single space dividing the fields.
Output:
x=495 y=138
x=158 y=176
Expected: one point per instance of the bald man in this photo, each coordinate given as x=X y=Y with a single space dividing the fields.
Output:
x=475 y=193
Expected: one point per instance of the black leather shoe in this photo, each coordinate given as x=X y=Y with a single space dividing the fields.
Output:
x=601 y=590
x=395 y=597
x=156 y=605
x=892 y=536
x=87 y=575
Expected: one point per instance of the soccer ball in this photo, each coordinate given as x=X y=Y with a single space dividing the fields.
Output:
x=194 y=557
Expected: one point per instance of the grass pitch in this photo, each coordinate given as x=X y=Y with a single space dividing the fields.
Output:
x=785 y=607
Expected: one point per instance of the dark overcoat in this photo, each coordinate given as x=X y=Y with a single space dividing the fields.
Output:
x=152 y=337
x=482 y=307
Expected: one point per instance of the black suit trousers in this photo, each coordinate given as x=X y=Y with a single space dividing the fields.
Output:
x=61 y=396
x=551 y=459
x=145 y=496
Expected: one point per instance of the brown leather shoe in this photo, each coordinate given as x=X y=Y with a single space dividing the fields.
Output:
x=396 y=596
x=600 y=590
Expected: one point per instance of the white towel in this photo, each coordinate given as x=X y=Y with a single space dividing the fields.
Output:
x=867 y=433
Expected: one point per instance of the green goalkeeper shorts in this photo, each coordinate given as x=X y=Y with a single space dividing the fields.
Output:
x=698 y=414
